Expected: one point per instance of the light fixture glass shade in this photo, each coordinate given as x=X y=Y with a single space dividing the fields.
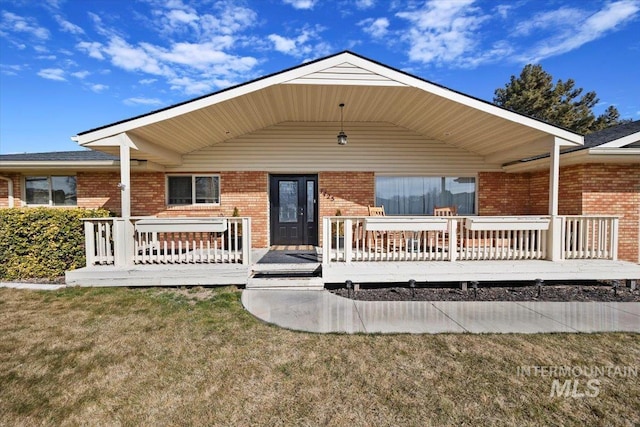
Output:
x=342 y=138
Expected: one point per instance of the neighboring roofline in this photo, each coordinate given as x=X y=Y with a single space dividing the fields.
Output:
x=416 y=81
x=49 y=165
x=569 y=158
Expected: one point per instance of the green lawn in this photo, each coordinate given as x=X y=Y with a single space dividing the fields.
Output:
x=194 y=356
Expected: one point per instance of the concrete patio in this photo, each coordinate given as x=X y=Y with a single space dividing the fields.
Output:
x=324 y=312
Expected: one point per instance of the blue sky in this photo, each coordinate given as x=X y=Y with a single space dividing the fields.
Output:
x=69 y=66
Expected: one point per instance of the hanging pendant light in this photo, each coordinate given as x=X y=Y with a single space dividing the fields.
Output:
x=342 y=137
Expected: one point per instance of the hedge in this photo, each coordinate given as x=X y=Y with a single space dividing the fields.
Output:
x=42 y=242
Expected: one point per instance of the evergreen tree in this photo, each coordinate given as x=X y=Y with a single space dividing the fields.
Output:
x=534 y=94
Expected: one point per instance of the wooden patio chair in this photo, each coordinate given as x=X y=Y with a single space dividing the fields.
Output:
x=445 y=211
x=376 y=211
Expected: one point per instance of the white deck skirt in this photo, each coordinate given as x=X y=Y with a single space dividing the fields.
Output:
x=462 y=271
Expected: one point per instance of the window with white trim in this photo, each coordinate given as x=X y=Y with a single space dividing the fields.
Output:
x=193 y=189
x=419 y=195
x=50 y=190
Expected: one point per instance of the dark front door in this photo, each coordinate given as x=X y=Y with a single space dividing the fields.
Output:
x=294 y=209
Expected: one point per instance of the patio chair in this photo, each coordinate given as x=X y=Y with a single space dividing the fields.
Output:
x=376 y=211
x=445 y=211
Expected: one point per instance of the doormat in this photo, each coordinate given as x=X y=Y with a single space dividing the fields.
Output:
x=289 y=257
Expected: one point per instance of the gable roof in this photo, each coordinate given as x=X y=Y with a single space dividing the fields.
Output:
x=311 y=92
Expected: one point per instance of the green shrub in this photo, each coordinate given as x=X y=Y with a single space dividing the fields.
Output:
x=42 y=242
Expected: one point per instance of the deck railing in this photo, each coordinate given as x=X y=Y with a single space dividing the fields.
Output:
x=468 y=238
x=119 y=241
x=590 y=237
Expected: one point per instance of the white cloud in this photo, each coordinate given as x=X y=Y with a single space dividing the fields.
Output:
x=443 y=31
x=47 y=57
x=301 y=4
x=97 y=88
x=132 y=58
x=80 y=74
x=580 y=28
x=52 y=74
x=306 y=43
x=67 y=26
x=365 y=4
x=376 y=28
x=142 y=101
x=93 y=49
x=10 y=70
x=18 y=24
x=147 y=81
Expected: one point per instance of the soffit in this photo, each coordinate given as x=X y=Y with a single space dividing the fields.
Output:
x=430 y=115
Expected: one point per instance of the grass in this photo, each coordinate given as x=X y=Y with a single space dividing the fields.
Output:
x=194 y=356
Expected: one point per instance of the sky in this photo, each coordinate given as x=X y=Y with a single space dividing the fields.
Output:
x=67 y=66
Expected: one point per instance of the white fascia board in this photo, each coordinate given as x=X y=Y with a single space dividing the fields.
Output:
x=598 y=151
x=621 y=142
x=313 y=67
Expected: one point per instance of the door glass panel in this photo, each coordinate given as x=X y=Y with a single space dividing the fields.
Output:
x=288 y=197
x=310 y=199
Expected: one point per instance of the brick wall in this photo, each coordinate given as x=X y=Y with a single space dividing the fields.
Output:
x=502 y=193
x=615 y=190
x=17 y=191
x=351 y=192
x=99 y=190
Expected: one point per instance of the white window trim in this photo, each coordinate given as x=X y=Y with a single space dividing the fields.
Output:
x=25 y=203
x=193 y=188
x=400 y=175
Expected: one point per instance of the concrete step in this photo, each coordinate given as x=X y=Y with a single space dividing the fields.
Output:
x=287 y=269
x=265 y=282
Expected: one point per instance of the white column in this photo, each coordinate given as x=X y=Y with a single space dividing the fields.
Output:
x=554 y=251
x=554 y=177
x=125 y=180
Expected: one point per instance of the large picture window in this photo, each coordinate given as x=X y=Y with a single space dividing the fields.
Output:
x=50 y=190
x=193 y=189
x=417 y=195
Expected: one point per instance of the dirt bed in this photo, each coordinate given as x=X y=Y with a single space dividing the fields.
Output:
x=590 y=291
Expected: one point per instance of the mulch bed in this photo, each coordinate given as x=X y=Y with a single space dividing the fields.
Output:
x=580 y=291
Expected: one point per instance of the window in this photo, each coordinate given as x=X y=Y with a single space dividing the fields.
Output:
x=193 y=189
x=50 y=190
x=419 y=195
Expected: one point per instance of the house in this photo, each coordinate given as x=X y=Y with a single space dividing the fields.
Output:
x=270 y=151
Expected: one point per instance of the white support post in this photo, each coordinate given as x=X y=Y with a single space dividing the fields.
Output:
x=125 y=180
x=554 y=252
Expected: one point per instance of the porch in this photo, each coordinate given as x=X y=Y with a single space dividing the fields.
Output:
x=217 y=251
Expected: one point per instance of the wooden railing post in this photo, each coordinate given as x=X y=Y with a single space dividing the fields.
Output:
x=348 y=240
x=453 y=239
x=246 y=241
x=554 y=239
x=614 y=238
x=326 y=240
x=89 y=243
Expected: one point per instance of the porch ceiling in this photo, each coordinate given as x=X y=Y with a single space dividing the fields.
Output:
x=405 y=101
